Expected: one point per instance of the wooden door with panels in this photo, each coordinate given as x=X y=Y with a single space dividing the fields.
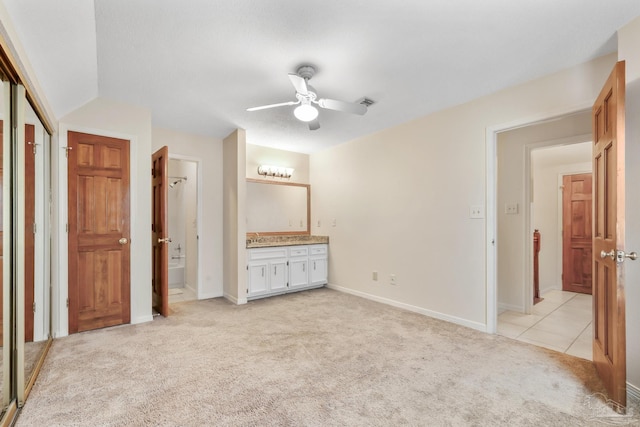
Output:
x=99 y=231
x=609 y=322
x=159 y=230
x=576 y=233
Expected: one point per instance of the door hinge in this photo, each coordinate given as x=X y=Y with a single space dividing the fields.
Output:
x=247 y=290
x=67 y=227
x=66 y=151
x=34 y=306
x=287 y=262
x=247 y=267
x=35 y=228
x=67 y=302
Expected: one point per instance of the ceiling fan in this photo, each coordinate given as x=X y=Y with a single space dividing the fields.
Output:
x=307 y=96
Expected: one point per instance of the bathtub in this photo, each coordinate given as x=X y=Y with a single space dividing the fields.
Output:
x=176 y=273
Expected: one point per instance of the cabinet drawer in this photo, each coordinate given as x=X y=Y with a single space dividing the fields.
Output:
x=299 y=251
x=266 y=253
x=318 y=250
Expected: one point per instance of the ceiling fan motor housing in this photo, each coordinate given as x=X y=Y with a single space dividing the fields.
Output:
x=306 y=72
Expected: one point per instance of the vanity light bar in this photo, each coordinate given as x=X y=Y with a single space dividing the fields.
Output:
x=277 y=171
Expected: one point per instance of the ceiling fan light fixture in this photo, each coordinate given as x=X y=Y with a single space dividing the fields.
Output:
x=305 y=112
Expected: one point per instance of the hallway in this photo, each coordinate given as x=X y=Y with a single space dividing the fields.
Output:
x=561 y=322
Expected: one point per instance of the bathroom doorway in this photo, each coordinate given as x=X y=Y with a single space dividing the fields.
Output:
x=183 y=223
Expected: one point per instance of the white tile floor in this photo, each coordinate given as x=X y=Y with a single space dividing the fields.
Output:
x=561 y=322
x=181 y=294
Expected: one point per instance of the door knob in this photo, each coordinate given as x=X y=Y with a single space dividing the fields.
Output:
x=165 y=240
x=621 y=255
x=611 y=254
x=123 y=241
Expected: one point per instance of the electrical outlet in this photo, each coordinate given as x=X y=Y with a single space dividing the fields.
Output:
x=333 y=222
x=476 y=212
x=374 y=276
x=392 y=280
x=318 y=223
x=511 y=208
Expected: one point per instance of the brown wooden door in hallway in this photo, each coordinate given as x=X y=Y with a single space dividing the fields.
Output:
x=99 y=232
x=160 y=230
x=609 y=323
x=576 y=233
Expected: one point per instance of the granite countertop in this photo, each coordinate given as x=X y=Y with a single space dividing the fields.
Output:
x=268 y=241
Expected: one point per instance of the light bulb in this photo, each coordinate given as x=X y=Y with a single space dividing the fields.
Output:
x=305 y=112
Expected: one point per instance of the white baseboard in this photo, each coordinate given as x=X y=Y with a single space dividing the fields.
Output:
x=549 y=289
x=142 y=319
x=236 y=301
x=459 y=321
x=633 y=392
x=510 y=307
x=209 y=295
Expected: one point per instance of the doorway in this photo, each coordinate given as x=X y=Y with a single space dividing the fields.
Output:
x=527 y=199
x=183 y=223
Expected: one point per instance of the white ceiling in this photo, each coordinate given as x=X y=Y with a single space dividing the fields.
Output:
x=199 y=64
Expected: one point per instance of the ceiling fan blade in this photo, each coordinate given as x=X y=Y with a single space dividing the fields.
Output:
x=346 y=107
x=299 y=83
x=314 y=124
x=264 y=107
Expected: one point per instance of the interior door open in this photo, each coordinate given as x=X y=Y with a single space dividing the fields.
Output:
x=609 y=342
x=159 y=230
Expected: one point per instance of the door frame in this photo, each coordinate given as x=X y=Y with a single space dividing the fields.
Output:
x=60 y=256
x=491 y=146
x=198 y=162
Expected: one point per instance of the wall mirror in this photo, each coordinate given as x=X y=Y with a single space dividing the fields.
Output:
x=278 y=208
x=35 y=142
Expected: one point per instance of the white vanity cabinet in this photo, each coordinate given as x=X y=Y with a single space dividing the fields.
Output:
x=277 y=270
x=318 y=263
x=267 y=271
x=298 y=267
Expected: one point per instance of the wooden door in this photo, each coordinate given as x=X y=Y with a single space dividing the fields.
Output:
x=609 y=342
x=99 y=225
x=159 y=230
x=29 y=232
x=576 y=233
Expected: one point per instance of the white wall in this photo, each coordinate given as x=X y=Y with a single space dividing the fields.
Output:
x=234 y=191
x=513 y=236
x=114 y=119
x=401 y=198
x=208 y=151
x=629 y=50
x=547 y=204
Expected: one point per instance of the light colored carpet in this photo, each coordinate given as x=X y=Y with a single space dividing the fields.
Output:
x=315 y=358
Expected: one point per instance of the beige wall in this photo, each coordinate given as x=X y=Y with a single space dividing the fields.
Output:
x=109 y=118
x=234 y=201
x=258 y=155
x=209 y=153
x=401 y=198
x=629 y=50
x=514 y=267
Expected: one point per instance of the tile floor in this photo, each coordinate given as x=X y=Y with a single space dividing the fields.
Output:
x=561 y=322
x=181 y=294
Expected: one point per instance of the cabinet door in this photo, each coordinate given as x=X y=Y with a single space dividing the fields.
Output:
x=298 y=272
x=257 y=282
x=278 y=275
x=318 y=271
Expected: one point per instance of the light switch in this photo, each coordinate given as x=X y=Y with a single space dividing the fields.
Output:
x=333 y=222
x=511 y=208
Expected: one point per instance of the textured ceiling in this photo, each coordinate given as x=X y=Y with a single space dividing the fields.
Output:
x=199 y=64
